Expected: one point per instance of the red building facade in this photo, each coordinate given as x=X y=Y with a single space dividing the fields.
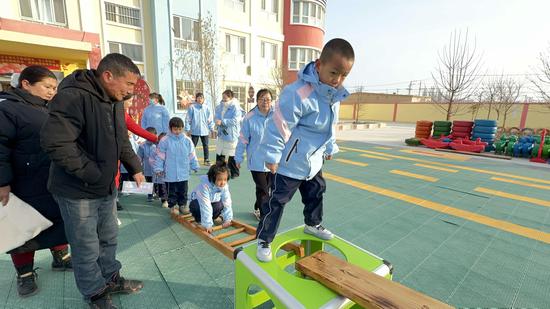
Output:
x=304 y=31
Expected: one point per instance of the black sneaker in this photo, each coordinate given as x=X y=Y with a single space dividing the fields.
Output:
x=26 y=283
x=62 y=260
x=119 y=206
x=127 y=286
x=102 y=301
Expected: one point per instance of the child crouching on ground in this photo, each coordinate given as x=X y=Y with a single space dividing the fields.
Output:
x=176 y=157
x=211 y=198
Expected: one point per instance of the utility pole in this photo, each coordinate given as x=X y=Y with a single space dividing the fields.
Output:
x=201 y=46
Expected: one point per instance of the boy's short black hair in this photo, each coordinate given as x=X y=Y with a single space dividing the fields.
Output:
x=117 y=64
x=229 y=93
x=337 y=46
x=219 y=167
x=175 y=122
x=199 y=95
x=151 y=130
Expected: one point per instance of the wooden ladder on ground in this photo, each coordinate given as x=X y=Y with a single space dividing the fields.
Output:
x=218 y=240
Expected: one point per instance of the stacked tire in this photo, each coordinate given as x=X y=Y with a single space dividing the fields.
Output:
x=462 y=129
x=423 y=129
x=442 y=128
x=486 y=131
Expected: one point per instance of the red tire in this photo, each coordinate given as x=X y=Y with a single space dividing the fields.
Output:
x=424 y=123
x=461 y=134
x=423 y=132
x=462 y=129
x=461 y=123
x=423 y=127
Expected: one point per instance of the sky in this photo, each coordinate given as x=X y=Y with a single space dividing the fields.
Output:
x=397 y=41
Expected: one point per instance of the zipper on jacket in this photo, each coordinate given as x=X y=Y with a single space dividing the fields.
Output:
x=294 y=148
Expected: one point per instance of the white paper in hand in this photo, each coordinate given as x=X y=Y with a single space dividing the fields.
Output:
x=19 y=222
x=131 y=187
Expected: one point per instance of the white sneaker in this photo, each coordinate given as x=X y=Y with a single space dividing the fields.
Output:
x=175 y=210
x=318 y=231
x=184 y=210
x=263 y=253
x=256 y=214
x=118 y=221
x=165 y=204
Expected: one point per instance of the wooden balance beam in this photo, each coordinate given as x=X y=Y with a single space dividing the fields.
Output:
x=361 y=286
x=217 y=241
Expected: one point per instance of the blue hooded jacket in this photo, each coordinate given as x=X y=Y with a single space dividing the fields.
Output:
x=156 y=116
x=199 y=120
x=252 y=131
x=231 y=121
x=207 y=193
x=145 y=152
x=302 y=129
x=176 y=157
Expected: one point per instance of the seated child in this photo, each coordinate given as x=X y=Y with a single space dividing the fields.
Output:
x=211 y=198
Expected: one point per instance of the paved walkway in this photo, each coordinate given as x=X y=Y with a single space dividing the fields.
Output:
x=468 y=231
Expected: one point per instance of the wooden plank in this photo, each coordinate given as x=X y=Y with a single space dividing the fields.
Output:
x=477 y=154
x=241 y=241
x=248 y=228
x=230 y=233
x=361 y=286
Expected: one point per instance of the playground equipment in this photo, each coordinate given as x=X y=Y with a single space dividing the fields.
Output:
x=441 y=128
x=501 y=146
x=541 y=144
x=486 y=131
x=423 y=129
x=257 y=283
x=523 y=147
x=462 y=129
x=467 y=145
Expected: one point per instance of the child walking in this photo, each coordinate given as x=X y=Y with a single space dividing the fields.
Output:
x=211 y=198
x=159 y=184
x=298 y=138
x=175 y=158
x=145 y=152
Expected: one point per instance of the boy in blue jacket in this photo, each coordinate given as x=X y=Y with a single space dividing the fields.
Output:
x=175 y=158
x=299 y=136
x=145 y=153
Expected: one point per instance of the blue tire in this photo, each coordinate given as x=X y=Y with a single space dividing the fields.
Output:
x=485 y=130
x=485 y=123
x=483 y=136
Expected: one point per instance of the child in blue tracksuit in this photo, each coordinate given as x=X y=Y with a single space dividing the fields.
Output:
x=159 y=184
x=155 y=115
x=252 y=131
x=211 y=198
x=199 y=123
x=227 y=117
x=176 y=157
x=298 y=137
x=145 y=152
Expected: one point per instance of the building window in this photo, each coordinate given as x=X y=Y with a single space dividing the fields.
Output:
x=122 y=14
x=237 y=5
x=186 y=32
x=300 y=56
x=271 y=7
x=236 y=46
x=308 y=13
x=132 y=51
x=46 y=11
x=187 y=90
x=268 y=52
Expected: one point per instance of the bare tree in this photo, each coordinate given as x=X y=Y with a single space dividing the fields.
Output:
x=278 y=76
x=456 y=73
x=541 y=81
x=210 y=67
x=507 y=91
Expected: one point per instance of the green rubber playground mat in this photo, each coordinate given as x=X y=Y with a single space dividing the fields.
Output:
x=444 y=237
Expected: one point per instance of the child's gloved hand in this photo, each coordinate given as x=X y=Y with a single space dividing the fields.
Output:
x=226 y=224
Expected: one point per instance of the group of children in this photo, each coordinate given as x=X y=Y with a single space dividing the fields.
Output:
x=299 y=135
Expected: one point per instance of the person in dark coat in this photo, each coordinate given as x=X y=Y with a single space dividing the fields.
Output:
x=85 y=136
x=24 y=170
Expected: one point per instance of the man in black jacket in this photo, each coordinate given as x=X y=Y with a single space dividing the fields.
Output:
x=85 y=136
